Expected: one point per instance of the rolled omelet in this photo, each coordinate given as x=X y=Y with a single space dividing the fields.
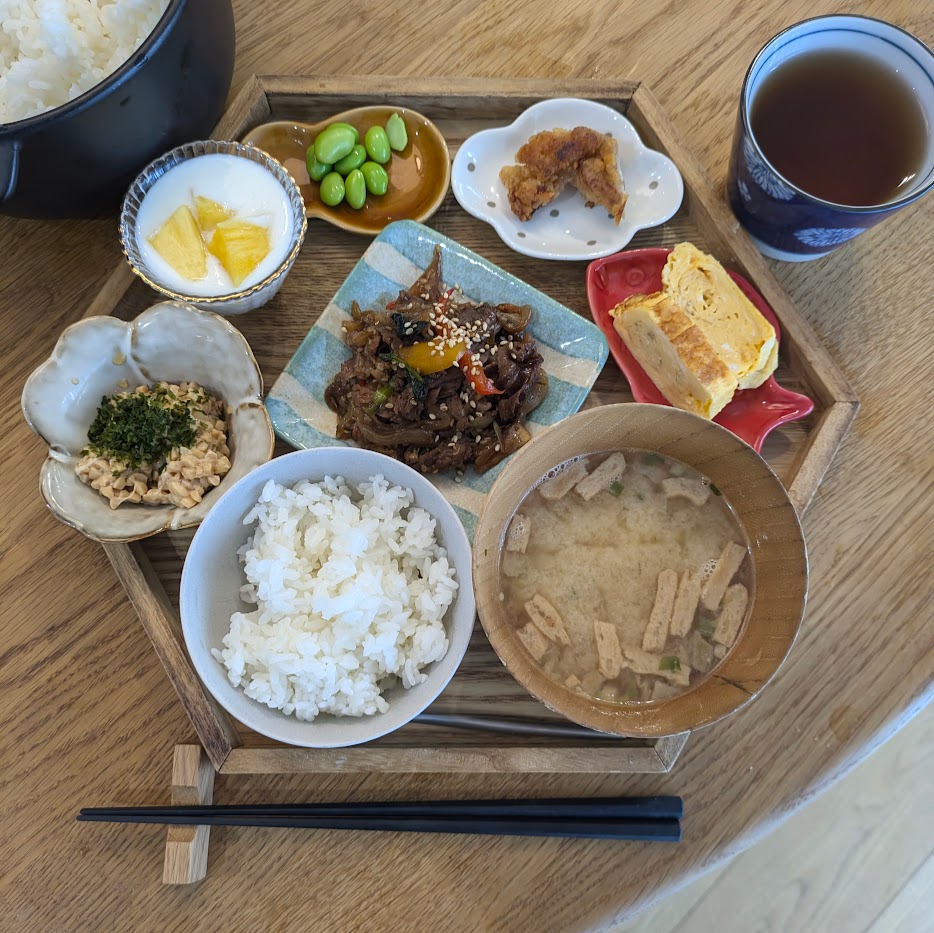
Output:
x=700 y=338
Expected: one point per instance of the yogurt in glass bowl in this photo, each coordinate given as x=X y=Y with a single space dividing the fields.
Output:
x=215 y=224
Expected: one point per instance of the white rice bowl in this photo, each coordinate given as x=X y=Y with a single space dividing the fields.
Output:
x=351 y=587
x=215 y=589
x=52 y=51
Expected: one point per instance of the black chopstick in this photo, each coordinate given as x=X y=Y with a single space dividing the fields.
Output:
x=657 y=830
x=595 y=808
x=514 y=726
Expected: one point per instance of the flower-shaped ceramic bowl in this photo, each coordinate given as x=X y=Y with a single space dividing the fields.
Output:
x=99 y=356
x=566 y=228
x=240 y=300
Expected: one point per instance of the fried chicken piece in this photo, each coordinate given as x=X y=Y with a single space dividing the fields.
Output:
x=553 y=159
x=528 y=191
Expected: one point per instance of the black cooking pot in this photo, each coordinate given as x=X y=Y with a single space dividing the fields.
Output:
x=79 y=159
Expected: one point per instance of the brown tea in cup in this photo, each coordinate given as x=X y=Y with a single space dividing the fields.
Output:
x=842 y=126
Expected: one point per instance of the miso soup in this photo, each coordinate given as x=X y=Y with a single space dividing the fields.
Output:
x=627 y=576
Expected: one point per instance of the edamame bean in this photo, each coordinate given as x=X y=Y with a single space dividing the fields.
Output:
x=332 y=189
x=377 y=145
x=316 y=170
x=355 y=185
x=333 y=144
x=396 y=132
x=354 y=159
x=353 y=129
x=377 y=181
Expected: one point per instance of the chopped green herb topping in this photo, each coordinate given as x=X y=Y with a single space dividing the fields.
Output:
x=616 y=488
x=138 y=428
x=706 y=625
x=669 y=663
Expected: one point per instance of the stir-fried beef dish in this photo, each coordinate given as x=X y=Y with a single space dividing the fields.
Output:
x=438 y=381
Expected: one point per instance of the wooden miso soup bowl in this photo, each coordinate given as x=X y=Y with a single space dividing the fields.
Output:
x=763 y=508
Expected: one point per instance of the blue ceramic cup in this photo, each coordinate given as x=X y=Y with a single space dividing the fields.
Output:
x=784 y=221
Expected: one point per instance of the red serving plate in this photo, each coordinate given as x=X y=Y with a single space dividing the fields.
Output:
x=752 y=413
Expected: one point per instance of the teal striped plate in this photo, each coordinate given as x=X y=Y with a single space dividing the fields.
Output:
x=574 y=349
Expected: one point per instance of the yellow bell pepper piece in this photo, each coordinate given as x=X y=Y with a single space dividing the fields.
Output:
x=432 y=356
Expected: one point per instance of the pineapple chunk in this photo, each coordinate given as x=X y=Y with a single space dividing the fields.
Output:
x=210 y=213
x=178 y=241
x=240 y=247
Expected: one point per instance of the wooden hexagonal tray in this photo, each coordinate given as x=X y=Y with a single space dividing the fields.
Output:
x=800 y=452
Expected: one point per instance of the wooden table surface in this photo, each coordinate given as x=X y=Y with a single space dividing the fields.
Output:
x=87 y=716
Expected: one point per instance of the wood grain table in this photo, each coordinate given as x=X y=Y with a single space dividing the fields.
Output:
x=87 y=716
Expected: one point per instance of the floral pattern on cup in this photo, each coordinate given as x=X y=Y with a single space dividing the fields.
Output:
x=818 y=236
x=763 y=175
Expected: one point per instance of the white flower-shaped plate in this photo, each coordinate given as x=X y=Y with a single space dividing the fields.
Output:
x=566 y=228
x=171 y=342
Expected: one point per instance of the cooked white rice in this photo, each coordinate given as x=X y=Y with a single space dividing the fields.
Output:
x=53 y=50
x=351 y=587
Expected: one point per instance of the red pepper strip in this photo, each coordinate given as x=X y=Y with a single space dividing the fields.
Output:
x=473 y=371
x=478 y=379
